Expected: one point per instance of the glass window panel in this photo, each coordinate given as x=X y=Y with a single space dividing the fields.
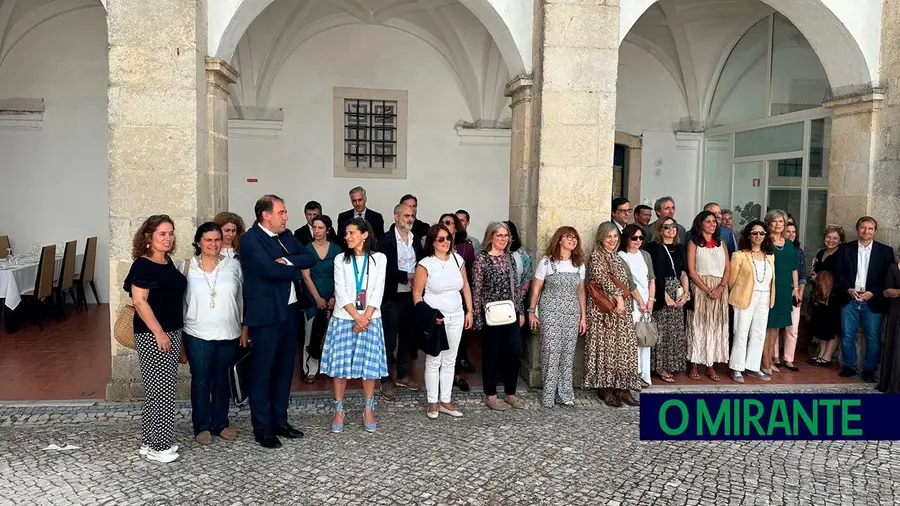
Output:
x=748 y=192
x=819 y=152
x=815 y=222
x=717 y=175
x=765 y=141
x=798 y=79
x=740 y=94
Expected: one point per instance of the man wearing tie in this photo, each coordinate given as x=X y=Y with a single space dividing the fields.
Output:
x=271 y=259
x=358 y=199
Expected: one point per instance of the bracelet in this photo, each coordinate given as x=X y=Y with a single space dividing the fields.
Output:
x=529 y=310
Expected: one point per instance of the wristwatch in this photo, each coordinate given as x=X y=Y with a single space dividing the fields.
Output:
x=529 y=310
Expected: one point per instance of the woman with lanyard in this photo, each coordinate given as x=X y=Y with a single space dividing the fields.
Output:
x=354 y=343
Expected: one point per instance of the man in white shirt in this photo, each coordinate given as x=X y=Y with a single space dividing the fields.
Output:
x=359 y=201
x=311 y=211
x=860 y=269
x=403 y=251
x=272 y=260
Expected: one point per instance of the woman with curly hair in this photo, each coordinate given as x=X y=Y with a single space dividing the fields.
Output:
x=157 y=289
x=232 y=229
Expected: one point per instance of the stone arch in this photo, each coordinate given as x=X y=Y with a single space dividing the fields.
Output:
x=11 y=33
x=229 y=20
x=837 y=48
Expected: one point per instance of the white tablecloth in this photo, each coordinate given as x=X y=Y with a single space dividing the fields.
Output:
x=18 y=279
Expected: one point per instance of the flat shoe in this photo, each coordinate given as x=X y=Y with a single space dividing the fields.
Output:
x=496 y=404
x=432 y=414
x=515 y=402
x=454 y=413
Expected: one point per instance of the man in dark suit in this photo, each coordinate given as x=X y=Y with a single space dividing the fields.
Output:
x=358 y=199
x=271 y=259
x=403 y=250
x=665 y=206
x=304 y=233
x=860 y=269
x=419 y=227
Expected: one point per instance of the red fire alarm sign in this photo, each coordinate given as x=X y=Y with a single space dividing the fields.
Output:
x=756 y=181
x=252 y=180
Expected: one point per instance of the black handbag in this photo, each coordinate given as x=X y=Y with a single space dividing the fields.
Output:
x=239 y=377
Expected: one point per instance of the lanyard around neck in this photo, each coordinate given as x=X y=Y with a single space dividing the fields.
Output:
x=358 y=277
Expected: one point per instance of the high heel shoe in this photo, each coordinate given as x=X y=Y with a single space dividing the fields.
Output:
x=338 y=408
x=370 y=404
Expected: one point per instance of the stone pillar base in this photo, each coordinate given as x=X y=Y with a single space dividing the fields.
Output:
x=530 y=369
x=126 y=384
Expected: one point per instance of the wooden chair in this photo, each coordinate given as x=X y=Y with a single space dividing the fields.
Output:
x=65 y=283
x=43 y=285
x=87 y=272
x=4 y=246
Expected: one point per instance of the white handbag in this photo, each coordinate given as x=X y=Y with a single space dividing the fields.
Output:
x=502 y=312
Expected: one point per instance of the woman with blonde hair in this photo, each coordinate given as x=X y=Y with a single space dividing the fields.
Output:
x=232 y=229
x=559 y=294
x=787 y=286
x=157 y=289
x=610 y=356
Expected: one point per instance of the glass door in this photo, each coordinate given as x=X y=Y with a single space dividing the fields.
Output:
x=748 y=192
x=784 y=191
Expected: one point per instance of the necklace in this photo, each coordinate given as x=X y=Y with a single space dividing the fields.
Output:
x=759 y=279
x=212 y=286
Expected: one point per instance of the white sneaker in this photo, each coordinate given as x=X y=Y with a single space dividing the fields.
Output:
x=164 y=457
x=144 y=449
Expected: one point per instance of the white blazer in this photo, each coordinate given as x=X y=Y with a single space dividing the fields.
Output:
x=345 y=284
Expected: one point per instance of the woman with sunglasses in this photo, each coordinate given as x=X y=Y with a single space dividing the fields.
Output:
x=752 y=285
x=672 y=294
x=440 y=278
x=641 y=268
x=465 y=248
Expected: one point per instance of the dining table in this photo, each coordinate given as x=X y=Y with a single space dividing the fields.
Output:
x=20 y=275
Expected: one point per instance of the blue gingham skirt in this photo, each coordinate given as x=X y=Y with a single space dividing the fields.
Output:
x=349 y=354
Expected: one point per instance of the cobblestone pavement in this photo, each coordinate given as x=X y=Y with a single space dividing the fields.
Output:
x=587 y=455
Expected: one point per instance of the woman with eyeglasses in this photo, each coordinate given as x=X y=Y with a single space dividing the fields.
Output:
x=440 y=278
x=752 y=285
x=641 y=268
x=465 y=248
x=672 y=294
x=559 y=286
x=708 y=267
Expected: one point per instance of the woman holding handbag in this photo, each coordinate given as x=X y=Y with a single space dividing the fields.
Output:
x=498 y=307
x=610 y=358
x=157 y=290
x=640 y=266
x=319 y=281
x=670 y=352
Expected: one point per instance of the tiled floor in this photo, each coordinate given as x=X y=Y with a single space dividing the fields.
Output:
x=70 y=360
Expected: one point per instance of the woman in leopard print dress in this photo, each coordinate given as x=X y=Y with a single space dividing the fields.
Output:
x=610 y=359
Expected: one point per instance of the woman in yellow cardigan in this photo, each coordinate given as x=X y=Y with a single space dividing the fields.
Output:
x=752 y=293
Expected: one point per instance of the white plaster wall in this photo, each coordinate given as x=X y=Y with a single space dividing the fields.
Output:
x=53 y=182
x=298 y=165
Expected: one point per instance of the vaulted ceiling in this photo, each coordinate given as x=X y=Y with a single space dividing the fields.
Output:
x=449 y=27
x=19 y=17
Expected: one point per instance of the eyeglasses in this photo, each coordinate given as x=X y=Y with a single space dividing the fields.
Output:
x=441 y=238
x=757 y=232
x=637 y=238
x=624 y=211
x=669 y=226
x=501 y=236
x=448 y=223
x=570 y=237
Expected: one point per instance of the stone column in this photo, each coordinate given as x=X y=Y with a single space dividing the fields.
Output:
x=522 y=175
x=212 y=195
x=576 y=63
x=157 y=138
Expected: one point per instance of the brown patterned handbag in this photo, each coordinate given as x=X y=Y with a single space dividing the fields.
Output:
x=604 y=302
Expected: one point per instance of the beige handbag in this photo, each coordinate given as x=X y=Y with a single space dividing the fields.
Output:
x=647 y=332
x=124 y=328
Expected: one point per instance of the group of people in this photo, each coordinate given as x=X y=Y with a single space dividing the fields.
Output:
x=365 y=301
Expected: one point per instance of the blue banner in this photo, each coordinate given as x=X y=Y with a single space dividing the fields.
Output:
x=770 y=416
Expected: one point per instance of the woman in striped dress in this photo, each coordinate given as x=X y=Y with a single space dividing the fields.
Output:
x=708 y=268
x=354 y=343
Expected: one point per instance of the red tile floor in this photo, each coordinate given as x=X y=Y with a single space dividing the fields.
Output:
x=70 y=360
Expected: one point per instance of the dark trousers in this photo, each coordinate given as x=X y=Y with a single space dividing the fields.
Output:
x=274 y=350
x=210 y=362
x=398 y=318
x=462 y=353
x=501 y=351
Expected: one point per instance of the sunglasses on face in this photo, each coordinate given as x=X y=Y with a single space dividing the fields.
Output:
x=448 y=223
x=668 y=226
x=757 y=233
x=441 y=238
x=637 y=238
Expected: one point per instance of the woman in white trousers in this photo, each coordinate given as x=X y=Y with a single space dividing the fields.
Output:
x=439 y=280
x=752 y=292
x=641 y=267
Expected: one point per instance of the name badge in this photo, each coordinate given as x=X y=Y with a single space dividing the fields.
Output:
x=361 y=300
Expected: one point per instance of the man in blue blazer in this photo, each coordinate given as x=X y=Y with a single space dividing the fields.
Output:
x=860 y=269
x=272 y=259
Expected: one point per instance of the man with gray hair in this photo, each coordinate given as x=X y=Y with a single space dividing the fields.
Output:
x=665 y=206
x=358 y=200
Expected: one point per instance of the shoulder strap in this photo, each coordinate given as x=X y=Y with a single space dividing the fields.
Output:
x=186 y=268
x=552 y=265
x=512 y=277
x=456 y=259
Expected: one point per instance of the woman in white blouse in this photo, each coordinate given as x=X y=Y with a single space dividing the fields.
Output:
x=441 y=275
x=640 y=265
x=354 y=343
x=232 y=229
x=213 y=309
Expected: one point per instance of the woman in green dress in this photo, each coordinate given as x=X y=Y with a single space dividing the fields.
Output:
x=786 y=286
x=319 y=282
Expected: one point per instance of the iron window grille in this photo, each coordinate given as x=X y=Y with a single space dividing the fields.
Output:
x=370 y=133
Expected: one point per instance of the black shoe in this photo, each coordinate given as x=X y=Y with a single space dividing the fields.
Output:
x=847 y=372
x=270 y=442
x=466 y=365
x=289 y=432
x=868 y=376
x=462 y=385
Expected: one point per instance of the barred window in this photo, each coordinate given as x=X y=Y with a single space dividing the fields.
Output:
x=370 y=133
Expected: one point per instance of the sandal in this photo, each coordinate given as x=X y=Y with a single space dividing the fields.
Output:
x=712 y=375
x=695 y=374
x=667 y=377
